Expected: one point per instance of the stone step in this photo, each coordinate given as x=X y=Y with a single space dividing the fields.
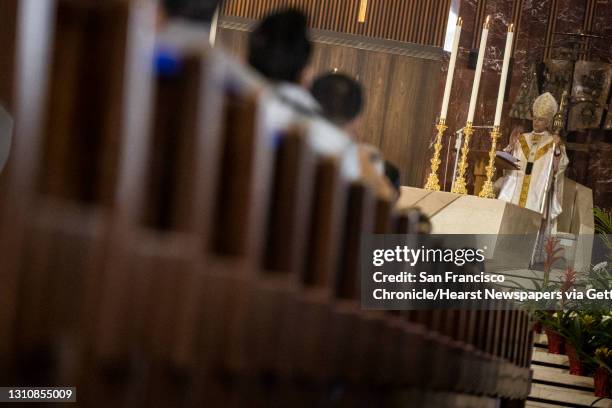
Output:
x=540 y=356
x=537 y=404
x=554 y=386
x=559 y=396
x=560 y=376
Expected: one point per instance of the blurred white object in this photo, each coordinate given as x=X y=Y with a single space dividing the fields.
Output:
x=6 y=136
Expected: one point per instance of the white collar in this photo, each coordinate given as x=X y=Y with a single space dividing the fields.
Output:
x=541 y=137
x=297 y=95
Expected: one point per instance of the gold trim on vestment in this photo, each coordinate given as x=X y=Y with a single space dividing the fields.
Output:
x=542 y=151
x=527 y=178
x=524 y=146
x=524 y=190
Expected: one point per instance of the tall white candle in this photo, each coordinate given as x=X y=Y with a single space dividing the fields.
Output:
x=475 y=85
x=504 y=76
x=451 y=70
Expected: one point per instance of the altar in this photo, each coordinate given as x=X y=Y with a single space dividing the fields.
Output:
x=503 y=222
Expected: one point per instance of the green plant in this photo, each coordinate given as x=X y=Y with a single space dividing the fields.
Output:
x=602 y=336
x=603 y=221
x=599 y=278
x=558 y=321
x=580 y=329
x=585 y=325
x=587 y=332
x=603 y=357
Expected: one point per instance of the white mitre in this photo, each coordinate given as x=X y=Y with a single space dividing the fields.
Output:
x=545 y=106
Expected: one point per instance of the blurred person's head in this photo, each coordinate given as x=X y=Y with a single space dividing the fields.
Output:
x=393 y=175
x=418 y=222
x=279 y=47
x=424 y=226
x=340 y=97
x=194 y=10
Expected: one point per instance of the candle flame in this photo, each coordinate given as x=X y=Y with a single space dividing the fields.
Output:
x=459 y=22
x=487 y=23
x=511 y=28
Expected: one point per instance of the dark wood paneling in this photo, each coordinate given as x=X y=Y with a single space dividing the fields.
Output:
x=344 y=59
x=416 y=21
x=400 y=98
x=409 y=115
x=400 y=92
x=374 y=71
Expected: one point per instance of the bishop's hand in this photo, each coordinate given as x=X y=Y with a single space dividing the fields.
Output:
x=557 y=139
x=514 y=136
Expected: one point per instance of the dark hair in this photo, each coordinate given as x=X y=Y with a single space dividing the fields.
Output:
x=197 y=10
x=340 y=97
x=424 y=226
x=393 y=175
x=279 y=47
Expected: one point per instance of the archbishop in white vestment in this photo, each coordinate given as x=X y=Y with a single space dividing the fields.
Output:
x=538 y=185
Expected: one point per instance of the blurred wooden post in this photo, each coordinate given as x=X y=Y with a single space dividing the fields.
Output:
x=34 y=37
x=8 y=40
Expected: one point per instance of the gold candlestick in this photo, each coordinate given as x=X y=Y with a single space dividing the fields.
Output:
x=459 y=186
x=487 y=188
x=433 y=183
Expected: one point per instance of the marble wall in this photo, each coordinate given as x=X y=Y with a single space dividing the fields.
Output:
x=535 y=21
